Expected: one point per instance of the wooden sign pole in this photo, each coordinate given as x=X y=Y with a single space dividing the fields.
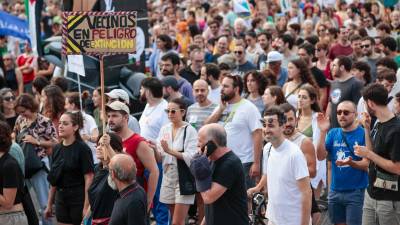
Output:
x=103 y=100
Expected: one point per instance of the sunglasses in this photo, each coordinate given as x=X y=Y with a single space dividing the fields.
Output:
x=9 y=98
x=172 y=111
x=365 y=46
x=344 y=112
x=238 y=52
x=268 y=123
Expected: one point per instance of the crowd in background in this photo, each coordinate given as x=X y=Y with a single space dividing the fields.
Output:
x=236 y=63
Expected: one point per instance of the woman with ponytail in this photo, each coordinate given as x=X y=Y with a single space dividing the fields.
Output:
x=71 y=172
x=89 y=132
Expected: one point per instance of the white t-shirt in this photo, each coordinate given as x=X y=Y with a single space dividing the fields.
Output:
x=89 y=124
x=152 y=119
x=215 y=95
x=240 y=121
x=284 y=166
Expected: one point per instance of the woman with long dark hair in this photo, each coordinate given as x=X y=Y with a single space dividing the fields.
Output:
x=298 y=75
x=307 y=124
x=71 y=172
x=53 y=101
x=273 y=95
x=254 y=86
x=89 y=131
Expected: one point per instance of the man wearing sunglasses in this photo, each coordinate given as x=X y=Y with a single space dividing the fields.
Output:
x=285 y=174
x=349 y=172
x=242 y=64
x=370 y=56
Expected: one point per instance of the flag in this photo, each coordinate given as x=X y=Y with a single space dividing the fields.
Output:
x=34 y=14
x=13 y=26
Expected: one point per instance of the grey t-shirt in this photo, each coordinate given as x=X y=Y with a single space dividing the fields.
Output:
x=196 y=115
x=341 y=91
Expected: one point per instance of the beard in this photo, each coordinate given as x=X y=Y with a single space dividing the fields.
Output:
x=115 y=128
x=111 y=183
x=370 y=111
x=227 y=97
x=288 y=131
x=345 y=124
x=167 y=72
x=143 y=98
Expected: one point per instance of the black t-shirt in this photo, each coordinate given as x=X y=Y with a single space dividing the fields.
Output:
x=101 y=195
x=78 y=161
x=131 y=207
x=11 y=121
x=319 y=77
x=349 y=89
x=189 y=75
x=231 y=207
x=386 y=145
x=11 y=176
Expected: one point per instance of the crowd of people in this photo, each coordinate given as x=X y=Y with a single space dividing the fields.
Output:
x=299 y=100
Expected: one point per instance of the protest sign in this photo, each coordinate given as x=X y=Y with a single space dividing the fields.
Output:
x=99 y=33
x=13 y=26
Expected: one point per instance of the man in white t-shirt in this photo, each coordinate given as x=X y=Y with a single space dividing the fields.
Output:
x=151 y=121
x=241 y=120
x=285 y=173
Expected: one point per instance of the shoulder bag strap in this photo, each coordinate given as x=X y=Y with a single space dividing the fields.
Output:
x=184 y=139
x=294 y=90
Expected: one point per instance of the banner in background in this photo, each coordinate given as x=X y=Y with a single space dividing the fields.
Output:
x=13 y=26
x=99 y=32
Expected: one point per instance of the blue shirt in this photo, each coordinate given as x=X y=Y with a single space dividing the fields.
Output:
x=345 y=177
x=282 y=77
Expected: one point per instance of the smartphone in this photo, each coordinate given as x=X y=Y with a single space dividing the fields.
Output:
x=211 y=147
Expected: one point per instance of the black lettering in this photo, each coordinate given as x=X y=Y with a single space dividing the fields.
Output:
x=91 y=22
x=99 y=22
x=77 y=34
x=114 y=22
x=132 y=20
x=85 y=34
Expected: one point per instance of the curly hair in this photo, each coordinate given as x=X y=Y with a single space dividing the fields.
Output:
x=54 y=106
x=304 y=71
x=260 y=80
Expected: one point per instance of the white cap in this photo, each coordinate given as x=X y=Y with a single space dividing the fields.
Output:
x=274 y=56
x=119 y=94
x=118 y=106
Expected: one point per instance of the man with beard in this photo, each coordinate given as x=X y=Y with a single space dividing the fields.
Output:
x=135 y=146
x=203 y=108
x=242 y=64
x=241 y=120
x=344 y=87
x=151 y=121
x=131 y=206
x=343 y=46
x=382 y=200
x=211 y=73
x=284 y=44
x=169 y=66
x=285 y=174
x=171 y=90
x=349 y=172
x=370 y=56
x=355 y=41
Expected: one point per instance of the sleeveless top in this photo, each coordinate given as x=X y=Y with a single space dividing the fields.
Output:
x=308 y=132
x=298 y=139
x=130 y=146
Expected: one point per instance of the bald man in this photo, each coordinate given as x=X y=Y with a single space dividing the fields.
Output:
x=203 y=108
x=131 y=207
x=226 y=200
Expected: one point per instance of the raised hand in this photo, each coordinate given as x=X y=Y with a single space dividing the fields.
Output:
x=366 y=120
x=323 y=122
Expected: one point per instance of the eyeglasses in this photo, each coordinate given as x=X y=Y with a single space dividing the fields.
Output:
x=238 y=52
x=365 y=46
x=172 y=111
x=269 y=122
x=9 y=98
x=344 y=112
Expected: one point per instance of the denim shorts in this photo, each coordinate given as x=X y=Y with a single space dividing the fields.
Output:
x=346 y=206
